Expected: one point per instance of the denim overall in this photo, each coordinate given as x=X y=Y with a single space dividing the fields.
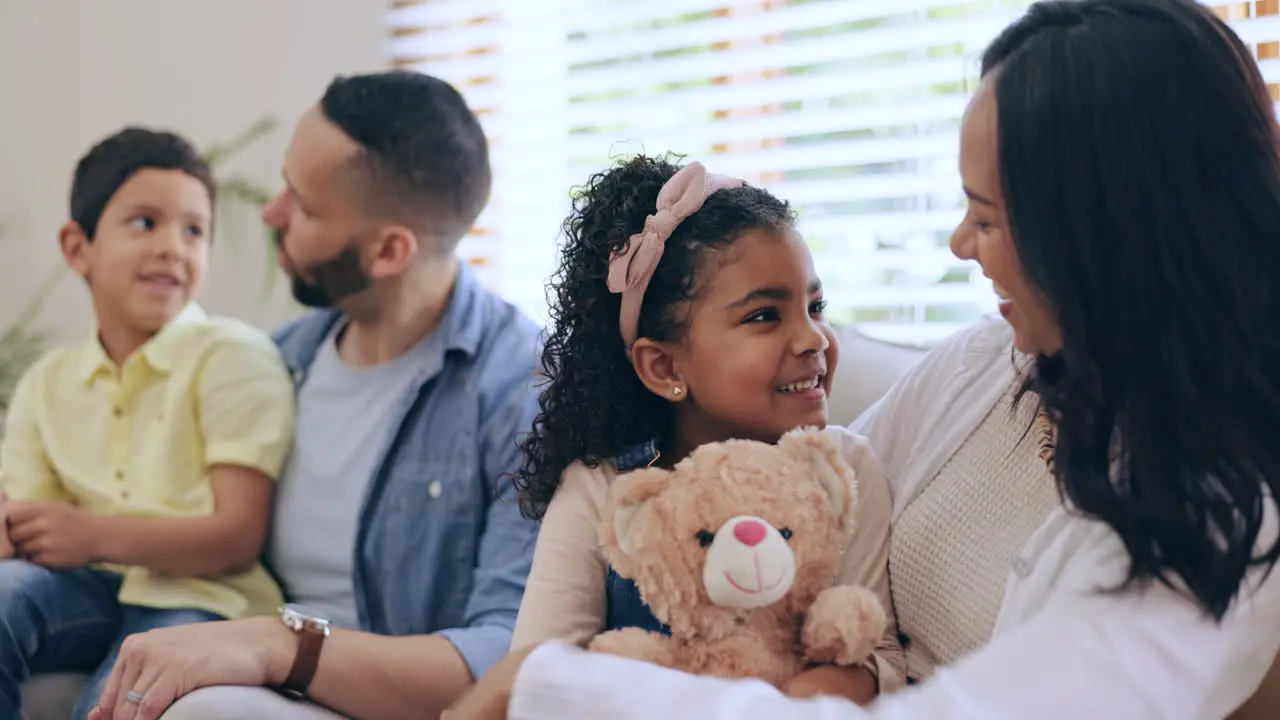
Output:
x=624 y=608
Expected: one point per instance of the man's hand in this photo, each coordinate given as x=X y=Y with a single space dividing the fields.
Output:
x=489 y=698
x=163 y=665
x=53 y=534
x=6 y=545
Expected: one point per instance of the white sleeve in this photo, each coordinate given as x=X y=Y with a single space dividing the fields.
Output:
x=1138 y=655
x=559 y=681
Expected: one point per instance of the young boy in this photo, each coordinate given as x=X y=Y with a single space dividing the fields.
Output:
x=138 y=465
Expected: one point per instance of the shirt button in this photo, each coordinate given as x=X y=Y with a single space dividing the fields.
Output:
x=124 y=494
x=117 y=411
x=434 y=489
x=119 y=474
x=1022 y=567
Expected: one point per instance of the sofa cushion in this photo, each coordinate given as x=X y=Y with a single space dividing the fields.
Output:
x=867 y=369
x=51 y=696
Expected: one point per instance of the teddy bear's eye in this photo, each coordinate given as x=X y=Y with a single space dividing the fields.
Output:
x=705 y=538
x=785 y=533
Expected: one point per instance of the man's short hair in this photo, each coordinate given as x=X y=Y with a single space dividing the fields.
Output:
x=110 y=163
x=424 y=159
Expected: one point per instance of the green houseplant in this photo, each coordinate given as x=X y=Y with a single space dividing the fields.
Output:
x=23 y=340
x=240 y=199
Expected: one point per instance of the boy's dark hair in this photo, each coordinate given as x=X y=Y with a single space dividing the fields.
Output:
x=424 y=157
x=110 y=163
x=594 y=403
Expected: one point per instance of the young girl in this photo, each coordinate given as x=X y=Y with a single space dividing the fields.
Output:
x=686 y=311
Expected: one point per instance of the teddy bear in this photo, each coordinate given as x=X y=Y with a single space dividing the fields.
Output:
x=735 y=550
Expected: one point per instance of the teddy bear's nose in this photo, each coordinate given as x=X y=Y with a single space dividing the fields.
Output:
x=749 y=532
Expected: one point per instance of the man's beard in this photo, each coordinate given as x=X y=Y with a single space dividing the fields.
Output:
x=334 y=279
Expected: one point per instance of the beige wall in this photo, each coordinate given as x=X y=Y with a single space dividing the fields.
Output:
x=72 y=71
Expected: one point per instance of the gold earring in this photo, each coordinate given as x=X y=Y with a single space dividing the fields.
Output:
x=677 y=391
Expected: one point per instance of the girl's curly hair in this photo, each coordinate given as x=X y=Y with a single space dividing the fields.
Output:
x=594 y=404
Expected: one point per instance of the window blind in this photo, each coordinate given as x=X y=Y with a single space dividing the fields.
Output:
x=849 y=109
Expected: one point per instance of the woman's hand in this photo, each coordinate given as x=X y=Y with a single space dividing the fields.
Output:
x=490 y=698
x=852 y=683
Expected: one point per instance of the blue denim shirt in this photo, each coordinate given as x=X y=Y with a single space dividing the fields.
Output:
x=623 y=605
x=441 y=546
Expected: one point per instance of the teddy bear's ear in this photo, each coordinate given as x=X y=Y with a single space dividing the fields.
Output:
x=817 y=449
x=629 y=495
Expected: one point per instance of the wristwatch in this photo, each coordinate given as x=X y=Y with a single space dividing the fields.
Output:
x=311 y=630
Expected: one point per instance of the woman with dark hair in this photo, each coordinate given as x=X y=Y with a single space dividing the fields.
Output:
x=1122 y=164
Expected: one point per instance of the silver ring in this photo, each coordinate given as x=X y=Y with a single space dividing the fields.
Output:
x=133 y=697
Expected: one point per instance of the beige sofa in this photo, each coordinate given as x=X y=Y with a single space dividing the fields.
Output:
x=867 y=368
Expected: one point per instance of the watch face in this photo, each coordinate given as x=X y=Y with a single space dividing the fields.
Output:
x=300 y=617
x=303 y=611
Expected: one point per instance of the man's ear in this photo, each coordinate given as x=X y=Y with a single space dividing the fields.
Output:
x=394 y=249
x=74 y=244
x=656 y=366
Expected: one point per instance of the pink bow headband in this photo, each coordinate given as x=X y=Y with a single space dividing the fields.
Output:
x=631 y=268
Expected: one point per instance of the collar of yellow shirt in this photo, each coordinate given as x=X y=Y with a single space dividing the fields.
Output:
x=158 y=352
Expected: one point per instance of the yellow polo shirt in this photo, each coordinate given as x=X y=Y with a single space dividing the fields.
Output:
x=141 y=440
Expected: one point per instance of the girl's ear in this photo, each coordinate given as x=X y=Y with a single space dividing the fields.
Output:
x=656 y=366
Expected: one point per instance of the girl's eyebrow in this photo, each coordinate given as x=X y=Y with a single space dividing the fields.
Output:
x=772 y=292
x=764 y=293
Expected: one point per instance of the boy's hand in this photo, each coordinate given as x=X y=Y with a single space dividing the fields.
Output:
x=54 y=535
x=6 y=545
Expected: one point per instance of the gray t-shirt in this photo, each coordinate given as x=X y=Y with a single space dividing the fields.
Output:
x=345 y=418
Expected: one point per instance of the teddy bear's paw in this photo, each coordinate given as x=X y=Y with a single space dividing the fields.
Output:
x=843 y=625
x=635 y=644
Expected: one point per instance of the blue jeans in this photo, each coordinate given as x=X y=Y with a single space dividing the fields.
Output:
x=67 y=621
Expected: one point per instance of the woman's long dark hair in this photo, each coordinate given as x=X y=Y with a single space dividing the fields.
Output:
x=594 y=404
x=1141 y=168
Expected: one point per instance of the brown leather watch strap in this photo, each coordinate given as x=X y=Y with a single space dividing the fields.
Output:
x=310 y=641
